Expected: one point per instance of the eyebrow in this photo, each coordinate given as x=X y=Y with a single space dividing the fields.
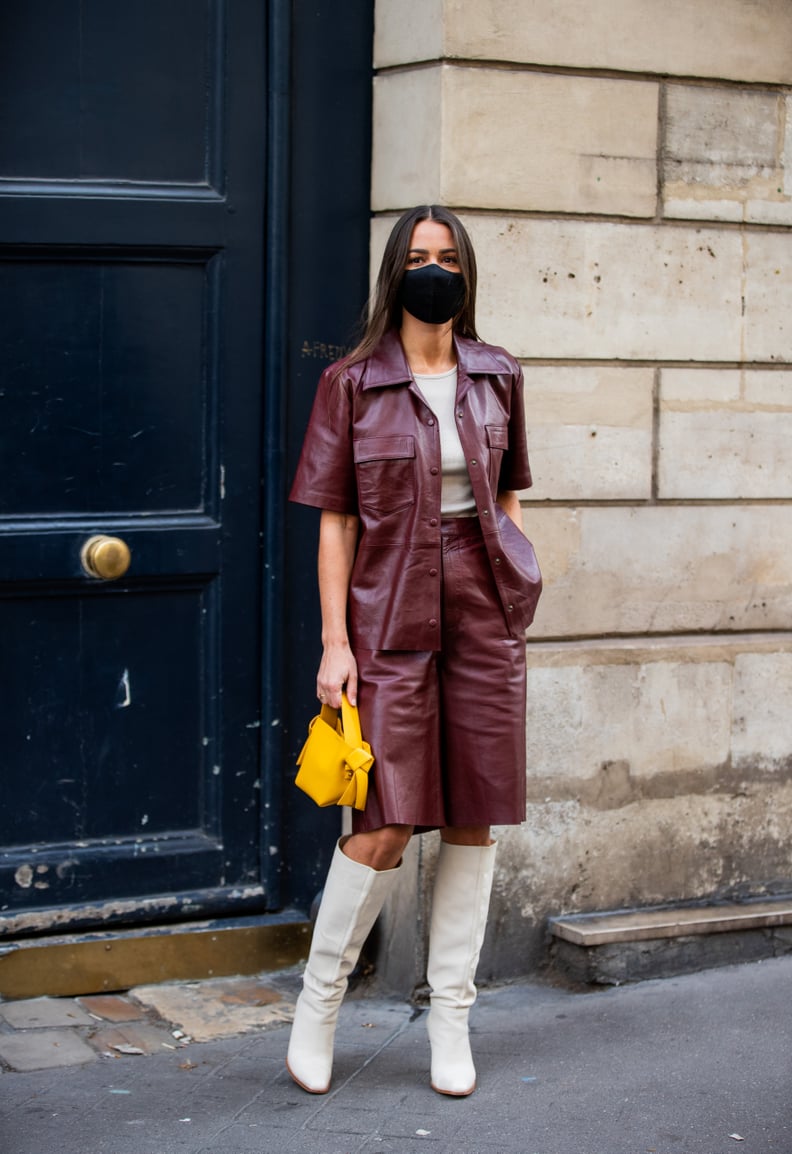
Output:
x=425 y=251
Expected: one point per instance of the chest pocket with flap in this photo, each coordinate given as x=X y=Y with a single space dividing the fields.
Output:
x=385 y=469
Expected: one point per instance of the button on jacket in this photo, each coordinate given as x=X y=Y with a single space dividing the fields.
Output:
x=372 y=449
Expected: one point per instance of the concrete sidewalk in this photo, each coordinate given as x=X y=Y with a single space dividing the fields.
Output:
x=700 y=1064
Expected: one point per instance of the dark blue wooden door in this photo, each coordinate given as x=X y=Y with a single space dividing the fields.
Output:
x=132 y=155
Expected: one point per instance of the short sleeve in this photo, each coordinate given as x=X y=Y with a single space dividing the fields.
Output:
x=325 y=476
x=515 y=468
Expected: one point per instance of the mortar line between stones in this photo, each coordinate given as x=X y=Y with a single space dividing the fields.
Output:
x=582 y=72
x=553 y=216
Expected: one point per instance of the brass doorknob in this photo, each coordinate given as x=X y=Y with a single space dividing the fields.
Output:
x=106 y=558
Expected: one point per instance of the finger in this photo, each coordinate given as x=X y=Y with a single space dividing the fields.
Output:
x=329 y=695
x=351 y=687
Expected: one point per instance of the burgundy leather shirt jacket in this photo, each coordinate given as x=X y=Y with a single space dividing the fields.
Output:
x=372 y=449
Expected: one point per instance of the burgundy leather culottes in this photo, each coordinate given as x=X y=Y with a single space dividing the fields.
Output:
x=447 y=728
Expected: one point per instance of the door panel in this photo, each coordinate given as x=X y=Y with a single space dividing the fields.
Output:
x=86 y=708
x=91 y=90
x=108 y=379
x=131 y=298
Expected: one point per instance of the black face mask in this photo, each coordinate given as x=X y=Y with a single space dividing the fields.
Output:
x=432 y=294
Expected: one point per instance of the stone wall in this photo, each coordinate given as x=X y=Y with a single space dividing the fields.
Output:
x=625 y=169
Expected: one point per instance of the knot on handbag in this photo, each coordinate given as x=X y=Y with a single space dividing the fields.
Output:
x=334 y=764
x=358 y=763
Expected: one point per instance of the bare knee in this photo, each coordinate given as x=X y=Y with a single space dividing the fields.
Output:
x=466 y=835
x=380 y=849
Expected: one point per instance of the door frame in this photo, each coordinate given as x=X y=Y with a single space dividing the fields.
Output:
x=318 y=206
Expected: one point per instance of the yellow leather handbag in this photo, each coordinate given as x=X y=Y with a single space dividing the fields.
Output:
x=335 y=760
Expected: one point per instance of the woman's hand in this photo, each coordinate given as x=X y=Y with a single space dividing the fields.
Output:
x=338 y=668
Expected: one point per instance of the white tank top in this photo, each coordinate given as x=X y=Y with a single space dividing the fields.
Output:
x=439 y=392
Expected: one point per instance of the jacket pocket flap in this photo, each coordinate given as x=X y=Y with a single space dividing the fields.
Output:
x=498 y=436
x=383 y=448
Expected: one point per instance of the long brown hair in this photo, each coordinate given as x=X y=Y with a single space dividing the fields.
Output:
x=384 y=310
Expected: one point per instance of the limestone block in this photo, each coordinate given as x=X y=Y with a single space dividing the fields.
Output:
x=492 y=138
x=732 y=444
x=523 y=140
x=762 y=198
x=407 y=140
x=762 y=733
x=589 y=289
x=687 y=207
x=600 y=728
x=776 y=211
x=408 y=30
x=768 y=296
x=661 y=569
x=589 y=432
x=601 y=290
x=769 y=389
x=726 y=133
x=722 y=156
x=611 y=724
x=730 y=39
x=706 y=387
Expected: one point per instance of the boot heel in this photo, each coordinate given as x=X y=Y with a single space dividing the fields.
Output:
x=453 y=1072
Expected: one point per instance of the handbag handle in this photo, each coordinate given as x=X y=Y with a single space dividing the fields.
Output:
x=350 y=720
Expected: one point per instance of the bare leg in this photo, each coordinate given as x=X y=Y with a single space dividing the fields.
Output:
x=466 y=835
x=379 y=849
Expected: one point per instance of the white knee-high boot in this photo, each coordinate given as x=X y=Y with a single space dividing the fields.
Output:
x=459 y=918
x=353 y=896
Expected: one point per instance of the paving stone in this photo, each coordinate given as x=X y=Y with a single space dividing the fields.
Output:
x=209 y=1010
x=151 y=1039
x=236 y=992
x=44 y=1049
x=111 y=1008
x=44 y=1013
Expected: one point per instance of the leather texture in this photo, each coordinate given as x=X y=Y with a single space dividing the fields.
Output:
x=372 y=449
x=448 y=729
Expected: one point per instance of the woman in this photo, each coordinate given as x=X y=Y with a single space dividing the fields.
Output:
x=414 y=452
